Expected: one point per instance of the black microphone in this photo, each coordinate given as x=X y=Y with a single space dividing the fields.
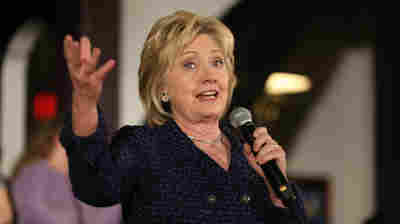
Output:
x=241 y=119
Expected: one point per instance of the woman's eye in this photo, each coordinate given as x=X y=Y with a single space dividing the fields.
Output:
x=189 y=65
x=219 y=62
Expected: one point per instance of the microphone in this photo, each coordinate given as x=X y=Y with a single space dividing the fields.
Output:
x=241 y=119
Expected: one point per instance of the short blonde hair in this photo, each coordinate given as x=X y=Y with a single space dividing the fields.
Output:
x=166 y=40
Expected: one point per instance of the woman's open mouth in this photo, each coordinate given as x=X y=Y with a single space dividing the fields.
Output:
x=208 y=95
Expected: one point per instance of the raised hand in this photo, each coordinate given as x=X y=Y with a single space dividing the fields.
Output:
x=87 y=82
x=82 y=60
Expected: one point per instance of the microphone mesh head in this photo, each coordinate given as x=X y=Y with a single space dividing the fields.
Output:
x=240 y=116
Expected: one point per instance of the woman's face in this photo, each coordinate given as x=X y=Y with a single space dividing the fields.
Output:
x=197 y=84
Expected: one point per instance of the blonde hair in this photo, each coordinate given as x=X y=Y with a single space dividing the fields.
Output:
x=166 y=40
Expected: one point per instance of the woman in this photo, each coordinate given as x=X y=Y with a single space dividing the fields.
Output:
x=41 y=189
x=185 y=165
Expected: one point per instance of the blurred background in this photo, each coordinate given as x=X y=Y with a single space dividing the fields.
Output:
x=312 y=74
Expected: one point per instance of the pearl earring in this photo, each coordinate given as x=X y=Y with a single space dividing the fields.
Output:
x=164 y=97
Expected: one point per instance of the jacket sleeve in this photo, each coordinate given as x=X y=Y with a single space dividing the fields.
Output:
x=97 y=166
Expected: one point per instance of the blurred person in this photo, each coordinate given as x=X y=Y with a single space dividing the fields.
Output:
x=41 y=188
x=185 y=165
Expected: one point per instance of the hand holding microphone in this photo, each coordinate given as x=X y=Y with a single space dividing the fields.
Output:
x=268 y=154
x=266 y=149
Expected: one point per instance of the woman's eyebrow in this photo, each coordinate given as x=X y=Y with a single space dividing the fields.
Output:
x=217 y=50
x=189 y=52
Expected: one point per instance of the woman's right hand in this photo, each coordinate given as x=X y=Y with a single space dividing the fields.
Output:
x=87 y=82
x=87 y=79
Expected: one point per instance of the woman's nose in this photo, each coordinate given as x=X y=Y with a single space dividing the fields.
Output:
x=209 y=76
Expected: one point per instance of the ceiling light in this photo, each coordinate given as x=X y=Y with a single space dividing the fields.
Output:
x=280 y=83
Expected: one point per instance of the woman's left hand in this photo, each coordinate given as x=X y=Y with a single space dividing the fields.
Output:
x=266 y=149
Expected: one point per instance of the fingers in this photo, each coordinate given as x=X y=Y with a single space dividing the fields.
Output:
x=266 y=148
x=81 y=58
x=80 y=50
x=82 y=61
x=96 y=55
x=104 y=69
x=273 y=152
x=85 y=50
x=71 y=51
x=89 y=65
x=270 y=152
x=261 y=138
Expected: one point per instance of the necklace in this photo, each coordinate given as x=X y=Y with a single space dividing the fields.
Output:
x=212 y=142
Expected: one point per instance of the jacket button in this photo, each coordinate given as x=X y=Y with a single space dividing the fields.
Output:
x=245 y=199
x=212 y=199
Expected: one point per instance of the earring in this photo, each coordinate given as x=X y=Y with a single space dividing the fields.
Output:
x=164 y=97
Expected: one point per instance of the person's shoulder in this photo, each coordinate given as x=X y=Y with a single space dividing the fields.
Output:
x=133 y=131
x=30 y=177
x=35 y=169
x=144 y=131
x=136 y=135
x=146 y=135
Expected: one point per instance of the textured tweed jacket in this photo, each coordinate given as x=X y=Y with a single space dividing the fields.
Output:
x=160 y=176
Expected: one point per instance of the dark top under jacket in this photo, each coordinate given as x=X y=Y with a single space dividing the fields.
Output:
x=159 y=176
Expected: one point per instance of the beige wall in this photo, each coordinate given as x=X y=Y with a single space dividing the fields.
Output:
x=337 y=141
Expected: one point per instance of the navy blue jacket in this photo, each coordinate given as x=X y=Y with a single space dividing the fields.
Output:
x=160 y=176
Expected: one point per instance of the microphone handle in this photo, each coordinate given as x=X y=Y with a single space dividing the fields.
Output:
x=271 y=170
